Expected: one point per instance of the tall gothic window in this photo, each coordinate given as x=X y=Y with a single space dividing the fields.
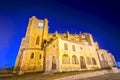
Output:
x=74 y=60
x=37 y=40
x=94 y=61
x=65 y=59
x=32 y=55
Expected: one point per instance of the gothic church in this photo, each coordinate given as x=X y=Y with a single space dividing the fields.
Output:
x=55 y=52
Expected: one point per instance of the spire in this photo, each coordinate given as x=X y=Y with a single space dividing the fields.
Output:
x=56 y=34
x=67 y=35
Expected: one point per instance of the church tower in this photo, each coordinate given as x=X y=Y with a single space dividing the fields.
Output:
x=31 y=53
x=37 y=32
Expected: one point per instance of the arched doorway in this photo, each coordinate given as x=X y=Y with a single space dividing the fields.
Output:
x=53 y=63
x=82 y=62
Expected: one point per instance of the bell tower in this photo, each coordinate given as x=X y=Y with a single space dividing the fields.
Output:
x=37 y=32
x=31 y=54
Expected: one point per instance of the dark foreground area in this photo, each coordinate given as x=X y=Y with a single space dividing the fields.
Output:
x=41 y=76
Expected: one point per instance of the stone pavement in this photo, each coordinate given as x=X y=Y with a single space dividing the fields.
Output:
x=85 y=75
x=97 y=75
x=112 y=76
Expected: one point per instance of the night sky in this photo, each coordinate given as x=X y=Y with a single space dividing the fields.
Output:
x=101 y=18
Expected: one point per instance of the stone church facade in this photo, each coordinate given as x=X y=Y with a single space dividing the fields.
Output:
x=55 y=52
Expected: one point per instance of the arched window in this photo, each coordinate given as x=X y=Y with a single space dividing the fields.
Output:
x=32 y=55
x=40 y=56
x=82 y=62
x=89 y=61
x=74 y=60
x=65 y=59
x=37 y=40
x=94 y=61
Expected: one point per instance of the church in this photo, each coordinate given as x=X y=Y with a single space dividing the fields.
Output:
x=41 y=51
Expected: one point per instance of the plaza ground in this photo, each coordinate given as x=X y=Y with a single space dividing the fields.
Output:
x=112 y=76
x=41 y=76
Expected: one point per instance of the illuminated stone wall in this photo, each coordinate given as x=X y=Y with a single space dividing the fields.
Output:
x=32 y=45
x=43 y=51
x=106 y=59
x=69 y=59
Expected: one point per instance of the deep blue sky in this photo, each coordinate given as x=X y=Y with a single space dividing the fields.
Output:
x=101 y=18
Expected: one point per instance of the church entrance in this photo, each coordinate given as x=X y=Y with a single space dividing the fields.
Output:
x=82 y=63
x=53 y=63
